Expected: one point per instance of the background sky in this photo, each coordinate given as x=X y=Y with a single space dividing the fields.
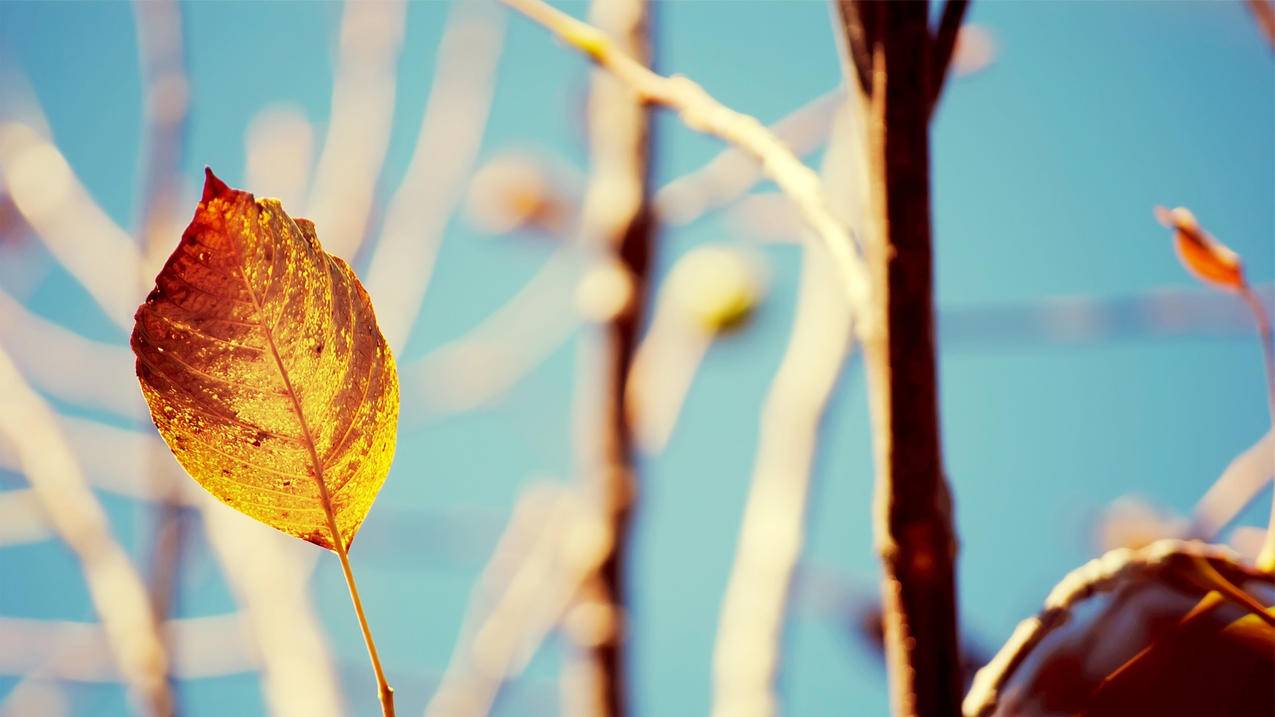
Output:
x=1045 y=169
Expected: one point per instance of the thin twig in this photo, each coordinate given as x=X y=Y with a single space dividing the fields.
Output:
x=1103 y=574
x=451 y=130
x=701 y=112
x=117 y=592
x=733 y=172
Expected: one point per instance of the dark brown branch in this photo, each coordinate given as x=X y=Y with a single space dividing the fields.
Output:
x=913 y=519
x=616 y=221
x=857 y=32
x=945 y=37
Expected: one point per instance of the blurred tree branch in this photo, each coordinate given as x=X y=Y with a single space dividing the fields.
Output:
x=117 y=592
x=402 y=261
x=749 y=643
x=552 y=542
x=353 y=152
x=617 y=234
x=167 y=99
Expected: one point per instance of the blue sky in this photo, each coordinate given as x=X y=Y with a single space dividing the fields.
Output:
x=1045 y=169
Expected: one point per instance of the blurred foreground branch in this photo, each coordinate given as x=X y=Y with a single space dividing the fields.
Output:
x=51 y=199
x=617 y=235
x=756 y=603
x=359 y=126
x=446 y=145
x=117 y=591
x=551 y=543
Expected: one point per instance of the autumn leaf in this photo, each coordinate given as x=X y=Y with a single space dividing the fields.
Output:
x=1210 y=260
x=264 y=369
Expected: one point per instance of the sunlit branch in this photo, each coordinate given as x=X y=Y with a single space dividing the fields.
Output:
x=1242 y=480
x=734 y=171
x=35 y=695
x=552 y=542
x=701 y=112
x=66 y=365
x=269 y=574
x=746 y=655
x=81 y=652
x=359 y=125
x=279 y=148
x=664 y=368
x=57 y=206
x=1265 y=558
x=22 y=519
x=116 y=590
x=446 y=146
x=756 y=603
x=479 y=367
x=267 y=571
x=1103 y=574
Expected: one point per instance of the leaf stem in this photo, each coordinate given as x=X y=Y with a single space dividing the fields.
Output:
x=384 y=691
x=1266 y=558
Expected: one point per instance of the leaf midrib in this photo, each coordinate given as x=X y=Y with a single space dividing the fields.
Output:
x=307 y=436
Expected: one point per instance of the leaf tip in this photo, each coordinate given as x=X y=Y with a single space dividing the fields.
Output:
x=213 y=187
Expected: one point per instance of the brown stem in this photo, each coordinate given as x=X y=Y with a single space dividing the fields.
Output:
x=914 y=529
x=616 y=224
x=1266 y=558
x=945 y=37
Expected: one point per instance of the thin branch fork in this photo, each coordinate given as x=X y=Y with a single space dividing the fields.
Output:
x=701 y=112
